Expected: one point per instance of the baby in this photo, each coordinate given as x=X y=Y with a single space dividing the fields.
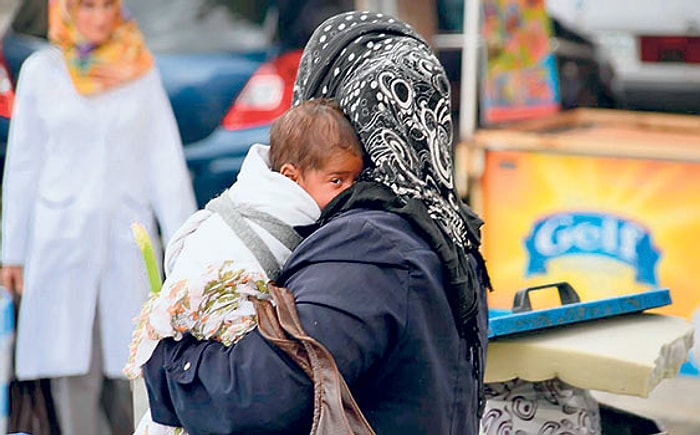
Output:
x=229 y=250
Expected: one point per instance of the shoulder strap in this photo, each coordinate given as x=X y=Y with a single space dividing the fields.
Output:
x=278 y=229
x=235 y=217
x=335 y=409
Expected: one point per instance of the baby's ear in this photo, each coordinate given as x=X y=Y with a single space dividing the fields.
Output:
x=290 y=171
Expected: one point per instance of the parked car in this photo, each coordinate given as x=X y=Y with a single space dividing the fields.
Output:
x=654 y=45
x=228 y=67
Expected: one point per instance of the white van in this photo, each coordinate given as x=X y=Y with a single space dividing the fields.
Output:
x=654 y=46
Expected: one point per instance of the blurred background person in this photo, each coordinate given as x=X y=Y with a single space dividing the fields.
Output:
x=93 y=147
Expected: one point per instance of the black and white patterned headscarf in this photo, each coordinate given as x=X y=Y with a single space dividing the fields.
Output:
x=396 y=94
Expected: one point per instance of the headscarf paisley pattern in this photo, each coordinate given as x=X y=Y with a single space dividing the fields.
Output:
x=396 y=94
x=94 y=69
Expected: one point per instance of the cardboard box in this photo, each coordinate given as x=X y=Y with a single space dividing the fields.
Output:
x=606 y=200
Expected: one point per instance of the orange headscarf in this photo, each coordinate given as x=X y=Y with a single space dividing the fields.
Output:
x=93 y=69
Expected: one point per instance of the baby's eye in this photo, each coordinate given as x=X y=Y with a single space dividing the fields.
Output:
x=336 y=181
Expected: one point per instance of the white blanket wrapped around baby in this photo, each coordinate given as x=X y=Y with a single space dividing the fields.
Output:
x=211 y=271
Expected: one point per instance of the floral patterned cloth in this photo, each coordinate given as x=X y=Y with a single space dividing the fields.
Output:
x=549 y=407
x=214 y=305
x=211 y=273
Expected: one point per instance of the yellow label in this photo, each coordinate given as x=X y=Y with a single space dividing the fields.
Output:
x=608 y=226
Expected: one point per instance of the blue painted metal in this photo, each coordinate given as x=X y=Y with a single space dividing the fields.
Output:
x=509 y=324
x=689 y=368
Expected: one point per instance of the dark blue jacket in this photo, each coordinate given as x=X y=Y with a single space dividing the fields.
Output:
x=369 y=289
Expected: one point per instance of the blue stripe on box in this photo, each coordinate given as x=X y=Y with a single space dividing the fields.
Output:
x=516 y=323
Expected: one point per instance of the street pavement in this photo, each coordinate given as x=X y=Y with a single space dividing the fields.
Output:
x=674 y=404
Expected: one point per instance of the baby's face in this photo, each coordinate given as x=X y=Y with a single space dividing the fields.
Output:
x=339 y=173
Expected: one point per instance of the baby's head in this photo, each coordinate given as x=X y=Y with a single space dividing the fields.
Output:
x=315 y=145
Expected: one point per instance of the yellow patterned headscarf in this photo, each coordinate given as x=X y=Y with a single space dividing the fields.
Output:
x=92 y=68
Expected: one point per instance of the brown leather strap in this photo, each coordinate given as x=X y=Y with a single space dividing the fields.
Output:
x=335 y=410
x=269 y=327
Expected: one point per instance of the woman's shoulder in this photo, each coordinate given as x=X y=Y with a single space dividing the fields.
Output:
x=43 y=61
x=148 y=79
x=378 y=235
x=144 y=86
x=392 y=227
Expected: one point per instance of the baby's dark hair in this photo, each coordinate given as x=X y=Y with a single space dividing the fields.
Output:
x=306 y=135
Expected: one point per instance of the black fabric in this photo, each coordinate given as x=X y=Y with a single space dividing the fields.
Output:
x=464 y=289
x=396 y=94
x=462 y=280
x=32 y=409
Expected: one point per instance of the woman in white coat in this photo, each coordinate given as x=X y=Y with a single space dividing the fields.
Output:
x=93 y=147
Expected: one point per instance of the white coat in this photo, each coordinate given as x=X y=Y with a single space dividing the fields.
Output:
x=79 y=171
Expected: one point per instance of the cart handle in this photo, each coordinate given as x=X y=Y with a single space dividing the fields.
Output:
x=567 y=295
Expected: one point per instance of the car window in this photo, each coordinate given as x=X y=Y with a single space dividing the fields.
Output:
x=181 y=25
x=198 y=25
x=31 y=18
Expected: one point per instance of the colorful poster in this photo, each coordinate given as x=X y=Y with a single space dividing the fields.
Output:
x=520 y=78
x=607 y=226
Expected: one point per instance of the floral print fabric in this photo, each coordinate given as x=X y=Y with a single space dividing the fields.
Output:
x=212 y=306
x=549 y=407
